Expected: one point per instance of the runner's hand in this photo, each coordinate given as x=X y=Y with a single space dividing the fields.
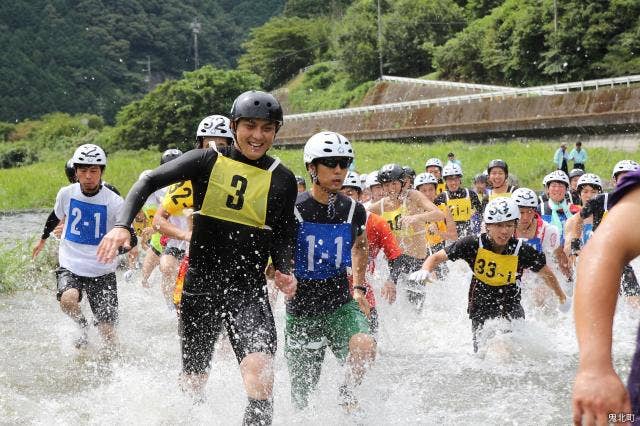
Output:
x=38 y=248
x=286 y=283
x=57 y=231
x=596 y=394
x=421 y=275
x=108 y=247
x=389 y=292
x=363 y=303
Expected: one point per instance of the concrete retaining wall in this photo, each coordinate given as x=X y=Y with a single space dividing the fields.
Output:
x=610 y=111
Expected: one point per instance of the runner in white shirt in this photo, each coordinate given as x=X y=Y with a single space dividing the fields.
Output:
x=90 y=210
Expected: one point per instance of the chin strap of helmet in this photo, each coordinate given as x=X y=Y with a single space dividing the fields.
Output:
x=333 y=195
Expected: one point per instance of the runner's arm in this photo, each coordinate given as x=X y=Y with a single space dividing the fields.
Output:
x=598 y=390
x=50 y=225
x=431 y=212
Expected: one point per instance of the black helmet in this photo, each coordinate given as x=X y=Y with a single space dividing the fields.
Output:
x=300 y=181
x=498 y=163
x=256 y=104
x=390 y=173
x=170 y=154
x=575 y=173
x=408 y=171
x=480 y=177
x=70 y=171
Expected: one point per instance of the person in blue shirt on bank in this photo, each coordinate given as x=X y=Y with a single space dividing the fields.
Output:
x=579 y=156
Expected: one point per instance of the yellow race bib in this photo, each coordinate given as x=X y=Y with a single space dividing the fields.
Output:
x=433 y=239
x=179 y=196
x=493 y=195
x=460 y=209
x=238 y=192
x=496 y=269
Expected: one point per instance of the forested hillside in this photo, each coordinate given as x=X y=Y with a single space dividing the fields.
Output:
x=90 y=56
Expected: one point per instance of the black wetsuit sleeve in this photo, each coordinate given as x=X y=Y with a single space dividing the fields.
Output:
x=475 y=201
x=395 y=268
x=440 y=199
x=592 y=206
x=111 y=187
x=285 y=229
x=186 y=167
x=530 y=258
x=465 y=248
x=133 y=241
x=360 y=219
x=50 y=225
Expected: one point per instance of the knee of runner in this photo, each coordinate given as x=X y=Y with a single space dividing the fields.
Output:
x=70 y=298
x=362 y=344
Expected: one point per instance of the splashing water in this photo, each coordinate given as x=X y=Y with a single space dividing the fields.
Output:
x=425 y=372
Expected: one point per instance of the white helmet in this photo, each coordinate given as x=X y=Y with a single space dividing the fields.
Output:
x=451 y=169
x=590 y=179
x=501 y=209
x=215 y=126
x=556 y=176
x=372 y=180
x=327 y=144
x=624 y=166
x=423 y=179
x=353 y=181
x=89 y=154
x=525 y=197
x=433 y=162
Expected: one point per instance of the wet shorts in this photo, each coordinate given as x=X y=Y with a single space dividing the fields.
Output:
x=248 y=321
x=175 y=252
x=335 y=329
x=102 y=292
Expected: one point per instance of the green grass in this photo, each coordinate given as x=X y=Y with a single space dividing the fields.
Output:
x=324 y=86
x=35 y=186
x=19 y=272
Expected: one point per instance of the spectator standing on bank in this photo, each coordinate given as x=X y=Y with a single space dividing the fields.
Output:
x=561 y=158
x=452 y=160
x=579 y=156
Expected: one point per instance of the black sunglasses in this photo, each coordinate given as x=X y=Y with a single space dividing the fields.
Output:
x=332 y=162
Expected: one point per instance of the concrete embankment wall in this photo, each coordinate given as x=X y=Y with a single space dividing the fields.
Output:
x=598 y=112
x=387 y=92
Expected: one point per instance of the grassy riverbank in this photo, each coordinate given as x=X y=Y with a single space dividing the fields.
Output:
x=36 y=185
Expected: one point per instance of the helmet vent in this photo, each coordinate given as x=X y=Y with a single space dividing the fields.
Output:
x=327 y=150
x=269 y=104
x=256 y=103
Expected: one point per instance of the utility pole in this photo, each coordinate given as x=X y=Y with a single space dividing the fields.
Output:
x=380 y=40
x=195 y=29
x=555 y=37
x=147 y=71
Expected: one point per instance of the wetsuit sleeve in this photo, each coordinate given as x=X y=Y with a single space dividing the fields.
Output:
x=50 y=225
x=133 y=241
x=284 y=229
x=530 y=258
x=186 y=167
x=360 y=219
x=111 y=187
x=439 y=199
x=591 y=207
x=465 y=248
x=475 y=202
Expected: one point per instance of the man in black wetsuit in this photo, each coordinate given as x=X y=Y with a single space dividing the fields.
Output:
x=243 y=202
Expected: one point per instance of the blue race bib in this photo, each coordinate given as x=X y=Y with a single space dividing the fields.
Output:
x=87 y=223
x=587 y=232
x=323 y=250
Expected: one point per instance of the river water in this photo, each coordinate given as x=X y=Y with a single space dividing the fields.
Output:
x=425 y=373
